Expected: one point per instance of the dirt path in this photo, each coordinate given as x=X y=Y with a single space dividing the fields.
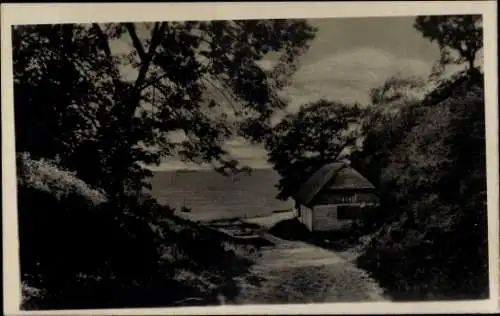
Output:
x=298 y=272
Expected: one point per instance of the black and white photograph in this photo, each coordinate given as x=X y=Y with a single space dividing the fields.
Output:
x=232 y=162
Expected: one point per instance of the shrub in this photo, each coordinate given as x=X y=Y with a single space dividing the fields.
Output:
x=45 y=176
x=76 y=252
x=81 y=250
x=433 y=187
x=290 y=229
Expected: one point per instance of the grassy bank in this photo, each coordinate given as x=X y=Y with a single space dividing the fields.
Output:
x=80 y=250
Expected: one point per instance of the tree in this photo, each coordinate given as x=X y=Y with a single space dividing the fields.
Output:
x=393 y=112
x=106 y=114
x=428 y=161
x=460 y=38
x=433 y=181
x=397 y=91
x=320 y=132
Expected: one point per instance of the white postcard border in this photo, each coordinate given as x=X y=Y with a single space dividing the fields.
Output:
x=140 y=12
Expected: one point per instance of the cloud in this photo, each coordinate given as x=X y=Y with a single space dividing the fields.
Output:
x=251 y=155
x=247 y=154
x=349 y=76
x=176 y=164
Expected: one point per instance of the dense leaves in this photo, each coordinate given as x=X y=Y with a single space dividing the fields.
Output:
x=106 y=112
x=433 y=184
x=428 y=161
x=397 y=91
x=459 y=37
x=94 y=104
x=80 y=250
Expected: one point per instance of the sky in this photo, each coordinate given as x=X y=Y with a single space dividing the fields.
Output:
x=347 y=58
x=350 y=56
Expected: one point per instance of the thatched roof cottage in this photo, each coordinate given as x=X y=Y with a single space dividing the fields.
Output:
x=333 y=198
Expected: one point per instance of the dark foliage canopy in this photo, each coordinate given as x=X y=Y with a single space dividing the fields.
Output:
x=319 y=133
x=460 y=37
x=106 y=109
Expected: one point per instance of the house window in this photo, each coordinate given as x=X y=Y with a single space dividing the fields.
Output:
x=348 y=212
x=348 y=198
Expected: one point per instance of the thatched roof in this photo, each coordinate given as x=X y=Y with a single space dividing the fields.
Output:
x=334 y=176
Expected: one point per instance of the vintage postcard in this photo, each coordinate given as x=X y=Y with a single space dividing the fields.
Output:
x=250 y=158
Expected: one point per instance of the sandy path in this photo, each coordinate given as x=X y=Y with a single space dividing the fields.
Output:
x=297 y=272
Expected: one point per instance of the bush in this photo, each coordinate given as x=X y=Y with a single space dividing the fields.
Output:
x=291 y=229
x=432 y=183
x=80 y=250
x=45 y=176
x=69 y=246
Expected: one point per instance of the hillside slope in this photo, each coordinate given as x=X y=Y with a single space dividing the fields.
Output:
x=433 y=185
x=79 y=250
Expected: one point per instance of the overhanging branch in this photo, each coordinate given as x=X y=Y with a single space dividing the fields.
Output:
x=103 y=40
x=135 y=40
x=146 y=59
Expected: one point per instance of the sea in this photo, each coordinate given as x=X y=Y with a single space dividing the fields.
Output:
x=212 y=196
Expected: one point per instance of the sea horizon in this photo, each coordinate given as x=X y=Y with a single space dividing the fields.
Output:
x=210 y=195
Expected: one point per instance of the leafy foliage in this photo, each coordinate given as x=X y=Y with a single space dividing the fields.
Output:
x=397 y=90
x=459 y=37
x=91 y=114
x=74 y=101
x=433 y=185
x=428 y=161
x=79 y=252
x=317 y=134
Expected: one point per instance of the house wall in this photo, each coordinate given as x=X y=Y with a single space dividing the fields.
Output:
x=328 y=202
x=345 y=197
x=325 y=219
x=323 y=215
x=305 y=216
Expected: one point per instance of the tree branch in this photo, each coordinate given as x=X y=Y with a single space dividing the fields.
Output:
x=115 y=74
x=228 y=99
x=103 y=41
x=153 y=82
x=156 y=33
x=162 y=90
x=146 y=59
x=136 y=41
x=157 y=79
x=104 y=44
